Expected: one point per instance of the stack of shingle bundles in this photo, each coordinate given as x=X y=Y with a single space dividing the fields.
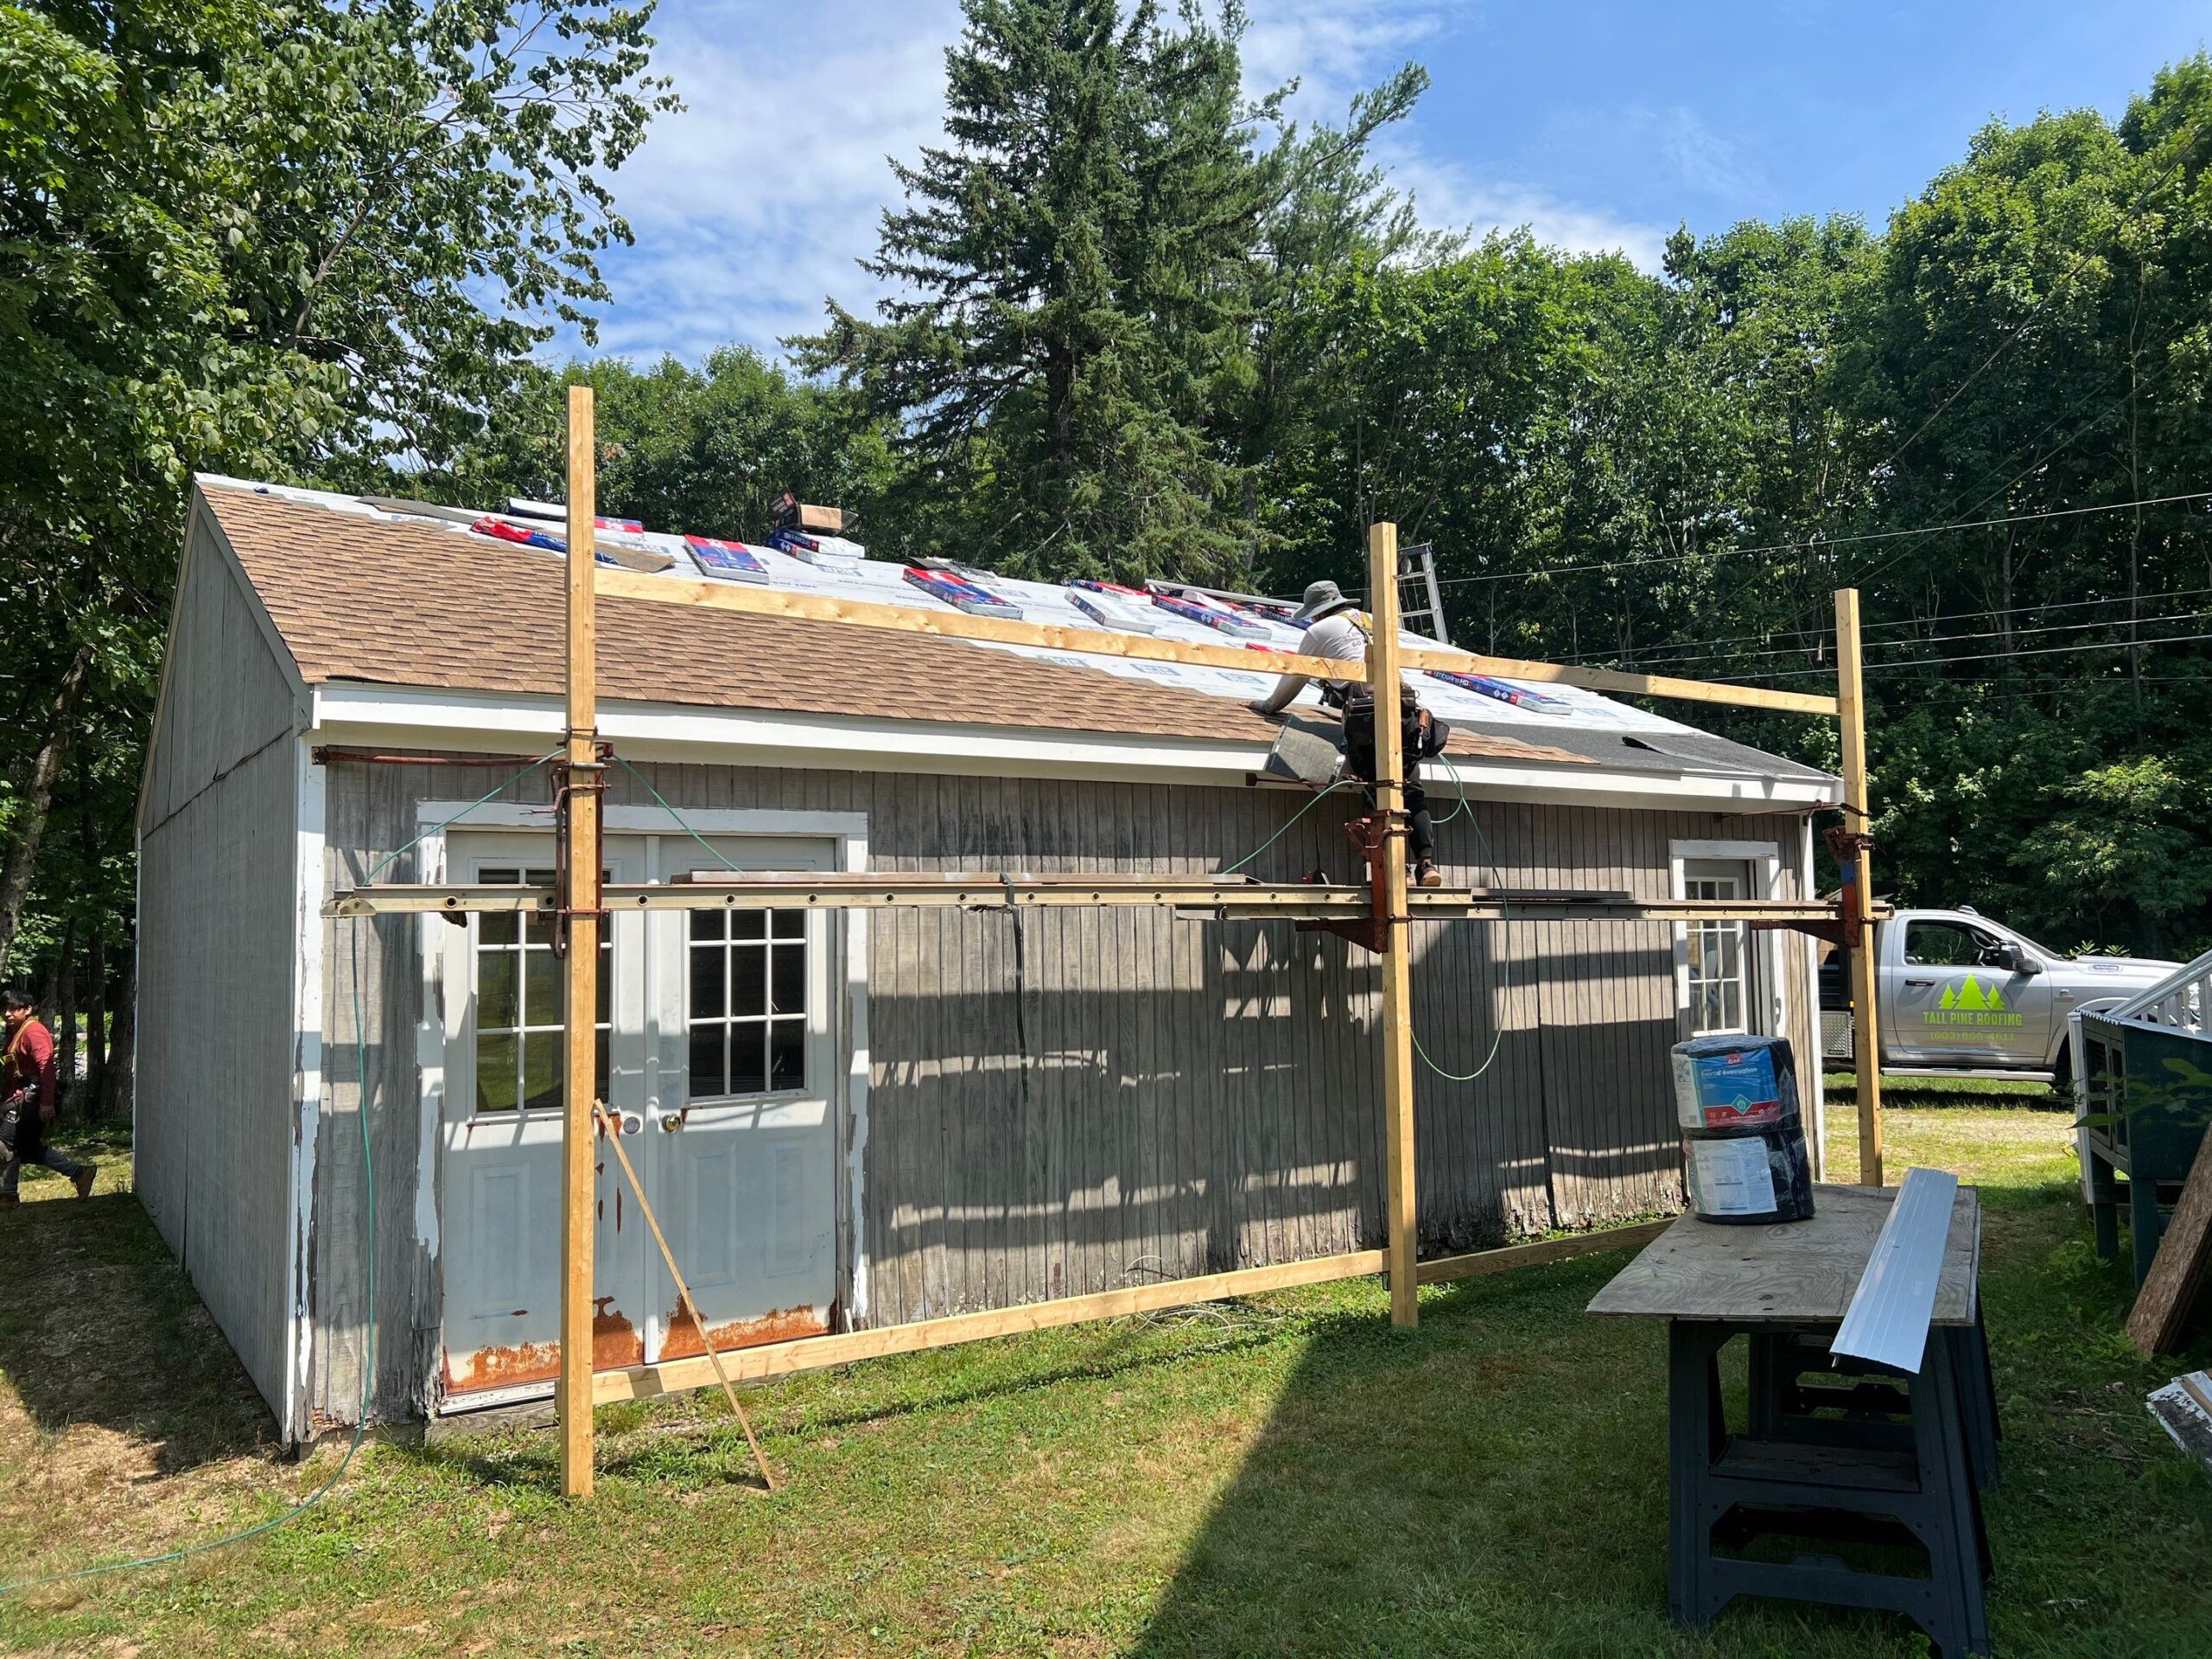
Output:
x=1111 y=605
x=1193 y=607
x=959 y=588
x=813 y=534
x=731 y=561
x=620 y=543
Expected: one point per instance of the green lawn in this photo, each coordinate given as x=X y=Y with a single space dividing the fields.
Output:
x=1284 y=1477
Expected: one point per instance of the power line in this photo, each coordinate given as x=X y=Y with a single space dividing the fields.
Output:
x=2003 y=656
x=1692 y=657
x=1822 y=637
x=1819 y=543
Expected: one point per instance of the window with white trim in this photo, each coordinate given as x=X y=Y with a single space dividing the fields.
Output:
x=1718 y=958
x=747 y=1011
x=520 y=991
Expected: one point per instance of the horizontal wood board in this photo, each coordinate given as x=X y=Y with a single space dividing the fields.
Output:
x=1801 y=1272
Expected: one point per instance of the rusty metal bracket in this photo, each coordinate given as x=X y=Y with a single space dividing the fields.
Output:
x=1372 y=932
x=1853 y=921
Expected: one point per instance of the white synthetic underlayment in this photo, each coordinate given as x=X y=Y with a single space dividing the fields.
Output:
x=882 y=582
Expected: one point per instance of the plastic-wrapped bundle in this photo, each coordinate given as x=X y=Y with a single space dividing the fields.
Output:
x=732 y=560
x=614 y=557
x=1748 y=1180
x=820 y=550
x=960 y=592
x=1111 y=605
x=500 y=530
x=1736 y=1099
x=1519 y=696
x=1196 y=610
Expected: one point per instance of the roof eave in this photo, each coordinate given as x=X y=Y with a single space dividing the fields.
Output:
x=357 y=712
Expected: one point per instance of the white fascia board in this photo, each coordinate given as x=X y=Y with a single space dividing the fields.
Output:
x=1600 y=786
x=645 y=731
x=355 y=713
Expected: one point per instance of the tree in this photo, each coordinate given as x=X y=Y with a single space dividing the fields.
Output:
x=305 y=241
x=704 y=450
x=1074 y=272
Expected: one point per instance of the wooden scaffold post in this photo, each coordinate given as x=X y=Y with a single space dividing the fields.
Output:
x=577 y=928
x=1397 y=978
x=1858 y=823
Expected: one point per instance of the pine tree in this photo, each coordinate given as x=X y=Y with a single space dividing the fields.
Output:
x=1072 y=273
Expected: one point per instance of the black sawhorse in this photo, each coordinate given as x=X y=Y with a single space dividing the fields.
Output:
x=1902 y=1459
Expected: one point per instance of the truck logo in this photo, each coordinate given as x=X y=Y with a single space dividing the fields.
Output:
x=1971 y=1004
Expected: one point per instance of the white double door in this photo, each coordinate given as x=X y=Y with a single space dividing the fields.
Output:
x=717 y=1053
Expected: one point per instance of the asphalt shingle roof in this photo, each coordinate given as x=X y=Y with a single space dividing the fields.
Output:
x=401 y=602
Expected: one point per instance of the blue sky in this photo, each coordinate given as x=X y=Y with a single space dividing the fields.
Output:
x=1600 y=125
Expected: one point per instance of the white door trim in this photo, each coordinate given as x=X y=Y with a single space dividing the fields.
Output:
x=849 y=830
x=1764 y=858
x=310 y=808
x=1814 y=1082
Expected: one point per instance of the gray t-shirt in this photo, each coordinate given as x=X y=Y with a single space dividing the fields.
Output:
x=1339 y=636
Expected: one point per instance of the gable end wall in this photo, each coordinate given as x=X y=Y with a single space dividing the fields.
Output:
x=214 y=1118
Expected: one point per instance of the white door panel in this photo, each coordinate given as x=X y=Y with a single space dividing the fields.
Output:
x=740 y=1132
x=499 y=1200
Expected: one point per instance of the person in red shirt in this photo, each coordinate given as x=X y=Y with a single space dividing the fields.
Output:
x=27 y=1099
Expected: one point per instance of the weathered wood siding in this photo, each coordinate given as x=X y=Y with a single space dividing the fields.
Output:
x=1147 y=1096
x=213 y=1120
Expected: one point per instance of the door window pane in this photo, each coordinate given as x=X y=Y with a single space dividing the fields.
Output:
x=709 y=1058
x=790 y=987
x=749 y=1072
x=1717 y=957
x=496 y=1070
x=520 y=989
x=748 y=1014
x=786 y=1053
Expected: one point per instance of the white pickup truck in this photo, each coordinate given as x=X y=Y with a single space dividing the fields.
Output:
x=1962 y=995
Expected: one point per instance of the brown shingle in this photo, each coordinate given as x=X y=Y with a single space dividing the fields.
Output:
x=400 y=603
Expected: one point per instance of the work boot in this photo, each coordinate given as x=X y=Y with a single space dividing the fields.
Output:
x=84 y=1179
x=1428 y=875
x=8 y=1200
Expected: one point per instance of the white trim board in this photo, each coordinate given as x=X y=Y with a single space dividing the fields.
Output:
x=1764 y=858
x=380 y=715
x=1816 y=1071
x=309 y=808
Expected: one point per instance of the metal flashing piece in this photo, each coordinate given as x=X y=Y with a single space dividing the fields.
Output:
x=1888 y=1318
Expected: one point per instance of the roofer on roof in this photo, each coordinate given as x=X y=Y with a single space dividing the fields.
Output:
x=1335 y=631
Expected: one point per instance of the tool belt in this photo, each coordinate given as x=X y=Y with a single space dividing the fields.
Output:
x=1421 y=736
x=23 y=1131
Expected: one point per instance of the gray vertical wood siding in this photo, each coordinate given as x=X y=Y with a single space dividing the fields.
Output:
x=214 y=1118
x=1148 y=1097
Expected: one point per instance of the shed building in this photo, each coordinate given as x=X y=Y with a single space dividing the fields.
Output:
x=848 y=1118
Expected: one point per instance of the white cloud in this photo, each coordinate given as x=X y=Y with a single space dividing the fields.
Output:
x=1333 y=48
x=756 y=202
x=1451 y=197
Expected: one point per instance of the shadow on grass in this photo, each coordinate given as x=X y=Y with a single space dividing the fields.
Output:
x=1496 y=1484
x=98 y=1324
x=1940 y=1093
